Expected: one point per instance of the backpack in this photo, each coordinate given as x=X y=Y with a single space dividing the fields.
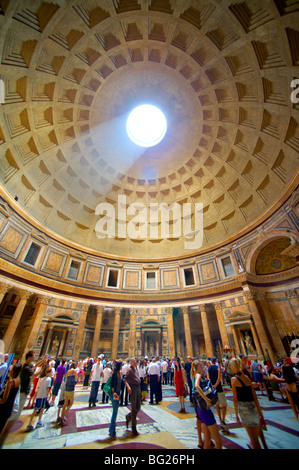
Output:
x=107 y=388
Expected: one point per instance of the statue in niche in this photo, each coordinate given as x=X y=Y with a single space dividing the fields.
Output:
x=54 y=347
x=151 y=348
x=249 y=344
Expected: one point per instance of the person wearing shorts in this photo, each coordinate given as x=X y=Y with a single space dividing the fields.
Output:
x=71 y=379
x=247 y=406
x=41 y=402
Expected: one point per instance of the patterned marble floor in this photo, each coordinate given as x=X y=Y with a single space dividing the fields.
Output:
x=160 y=426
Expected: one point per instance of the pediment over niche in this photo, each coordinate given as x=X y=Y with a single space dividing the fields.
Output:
x=238 y=316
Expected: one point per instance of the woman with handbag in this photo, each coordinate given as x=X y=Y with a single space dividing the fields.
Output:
x=202 y=403
x=180 y=382
x=247 y=405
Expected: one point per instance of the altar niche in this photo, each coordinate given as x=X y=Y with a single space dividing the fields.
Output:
x=151 y=334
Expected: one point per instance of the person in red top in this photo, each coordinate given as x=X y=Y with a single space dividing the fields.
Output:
x=180 y=382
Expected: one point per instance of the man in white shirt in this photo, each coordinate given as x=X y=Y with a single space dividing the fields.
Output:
x=164 y=366
x=96 y=374
x=154 y=377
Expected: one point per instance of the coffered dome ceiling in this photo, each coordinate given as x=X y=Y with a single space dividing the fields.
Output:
x=221 y=71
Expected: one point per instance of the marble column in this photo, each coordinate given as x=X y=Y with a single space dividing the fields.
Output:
x=46 y=340
x=80 y=331
x=293 y=317
x=115 y=333
x=236 y=339
x=4 y=288
x=206 y=331
x=188 y=336
x=38 y=314
x=249 y=296
x=14 y=322
x=97 y=331
x=221 y=324
x=256 y=340
x=271 y=324
x=132 y=332
x=68 y=334
x=171 y=342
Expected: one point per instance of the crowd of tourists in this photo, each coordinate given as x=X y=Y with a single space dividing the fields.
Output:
x=133 y=382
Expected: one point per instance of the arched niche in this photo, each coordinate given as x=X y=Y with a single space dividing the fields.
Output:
x=276 y=243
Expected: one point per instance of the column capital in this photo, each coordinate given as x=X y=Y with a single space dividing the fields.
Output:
x=202 y=307
x=250 y=294
x=25 y=294
x=5 y=288
x=100 y=309
x=44 y=299
x=291 y=294
x=217 y=305
x=169 y=310
x=185 y=310
x=133 y=311
x=117 y=311
x=260 y=296
x=84 y=308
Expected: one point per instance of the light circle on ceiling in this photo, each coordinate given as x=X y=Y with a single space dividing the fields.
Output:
x=146 y=125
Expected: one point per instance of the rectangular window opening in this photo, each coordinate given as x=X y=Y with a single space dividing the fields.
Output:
x=228 y=268
x=113 y=278
x=32 y=254
x=74 y=270
x=151 y=280
x=189 y=277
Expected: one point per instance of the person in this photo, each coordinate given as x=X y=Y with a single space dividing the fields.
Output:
x=143 y=379
x=244 y=366
x=27 y=373
x=229 y=372
x=39 y=369
x=132 y=383
x=159 y=384
x=106 y=373
x=172 y=367
x=193 y=373
x=247 y=405
x=116 y=380
x=180 y=382
x=96 y=374
x=205 y=416
x=60 y=403
x=188 y=374
x=70 y=383
x=292 y=387
x=214 y=375
x=3 y=365
x=58 y=379
x=258 y=375
x=87 y=371
x=154 y=377
x=164 y=371
x=124 y=392
x=10 y=393
x=43 y=389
